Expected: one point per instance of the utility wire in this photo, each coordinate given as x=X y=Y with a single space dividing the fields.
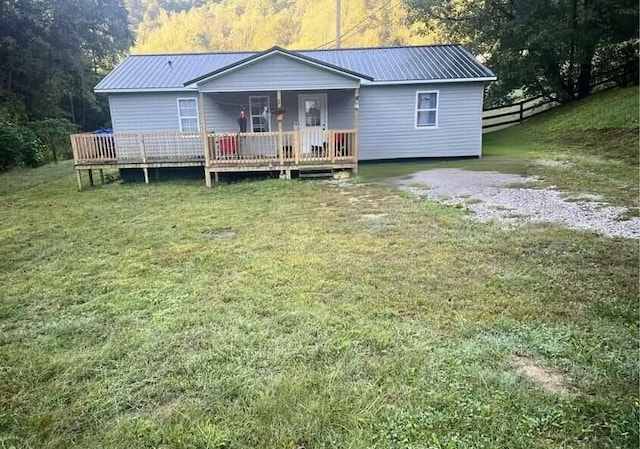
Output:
x=357 y=25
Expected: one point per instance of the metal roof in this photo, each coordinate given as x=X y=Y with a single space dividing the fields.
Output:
x=381 y=65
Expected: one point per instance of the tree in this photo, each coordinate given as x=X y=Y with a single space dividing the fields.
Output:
x=550 y=47
x=53 y=52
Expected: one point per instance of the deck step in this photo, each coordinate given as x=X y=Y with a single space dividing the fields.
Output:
x=324 y=173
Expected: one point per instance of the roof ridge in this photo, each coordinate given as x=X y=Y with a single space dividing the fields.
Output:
x=392 y=47
x=195 y=53
x=241 y=52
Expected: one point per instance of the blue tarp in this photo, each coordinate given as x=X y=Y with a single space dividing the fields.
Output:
x=103 y=131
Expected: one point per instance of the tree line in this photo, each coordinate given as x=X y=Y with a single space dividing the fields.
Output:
x=167 y=26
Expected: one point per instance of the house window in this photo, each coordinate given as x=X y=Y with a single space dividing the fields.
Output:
x=260 y=118
x=426 y=109
x=188 y=114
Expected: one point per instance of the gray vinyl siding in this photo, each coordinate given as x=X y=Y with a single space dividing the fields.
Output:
x=278 y=72
x=388 y=116
x=156 y=111
x=341 y=109
x=223 y=109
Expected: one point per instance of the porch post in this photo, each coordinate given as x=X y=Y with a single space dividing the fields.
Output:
x=280 y=140
x=356 y=126
x=205 y=139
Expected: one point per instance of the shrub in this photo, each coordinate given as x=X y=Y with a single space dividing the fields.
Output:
x=19 y=146
x=54 y=133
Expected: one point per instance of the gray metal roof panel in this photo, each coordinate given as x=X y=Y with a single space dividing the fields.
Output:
x=393 y=64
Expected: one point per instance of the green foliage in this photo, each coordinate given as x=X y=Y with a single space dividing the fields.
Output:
x=54 y=133
x=550 y=47
x=19 y=146
x=52 y=54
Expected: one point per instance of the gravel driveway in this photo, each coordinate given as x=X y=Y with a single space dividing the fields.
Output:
x=490 y=196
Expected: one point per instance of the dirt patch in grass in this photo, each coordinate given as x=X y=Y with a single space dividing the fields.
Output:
x=169 y=405
x=219 y=234
x=543 y=377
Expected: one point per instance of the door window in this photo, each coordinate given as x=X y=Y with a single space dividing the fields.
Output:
x=312 y=113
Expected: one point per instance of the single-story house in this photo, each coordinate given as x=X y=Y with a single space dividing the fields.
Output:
x=289 y=110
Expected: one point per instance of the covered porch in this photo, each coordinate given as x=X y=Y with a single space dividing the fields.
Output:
x=283 y=130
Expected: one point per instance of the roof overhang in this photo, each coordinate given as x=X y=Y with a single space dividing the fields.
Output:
x=146 y=89
x=269 y=53
x=435 y=81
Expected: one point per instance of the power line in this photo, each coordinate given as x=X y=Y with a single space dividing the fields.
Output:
x=357 y=25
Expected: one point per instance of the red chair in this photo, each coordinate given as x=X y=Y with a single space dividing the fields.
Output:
x=341 y=142
x=228 y=145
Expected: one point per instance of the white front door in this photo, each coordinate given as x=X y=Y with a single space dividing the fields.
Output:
x=312 y=116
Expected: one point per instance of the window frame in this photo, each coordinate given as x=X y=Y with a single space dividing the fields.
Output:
x=251 y=115
x=417 y=110
x=180 y=117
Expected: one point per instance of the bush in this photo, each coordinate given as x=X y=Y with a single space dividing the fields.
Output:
x=19 y=146
x=54 y=133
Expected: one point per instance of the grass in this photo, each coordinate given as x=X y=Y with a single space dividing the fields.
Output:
x=279 y=314
x=24 y=178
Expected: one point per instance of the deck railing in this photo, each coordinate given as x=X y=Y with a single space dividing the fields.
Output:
x=288 y=147
x=249 y=149
x=132 y=147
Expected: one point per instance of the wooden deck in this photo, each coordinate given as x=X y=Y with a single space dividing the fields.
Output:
x=285 y=151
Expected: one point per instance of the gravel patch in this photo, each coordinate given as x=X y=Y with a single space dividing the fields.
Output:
x=494 y=196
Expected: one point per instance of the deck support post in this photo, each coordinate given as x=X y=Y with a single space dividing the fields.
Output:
x=207 y=177
x=216 y=177
x=356 y=126
x=90 y=176
x=287 y=174
x=79 y=177
x=101 y=176
x=145 y=172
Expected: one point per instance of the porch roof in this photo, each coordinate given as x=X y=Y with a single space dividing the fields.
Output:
x=385 y=65
x=277 y=50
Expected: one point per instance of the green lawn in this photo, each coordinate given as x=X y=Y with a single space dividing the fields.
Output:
x=282 y=314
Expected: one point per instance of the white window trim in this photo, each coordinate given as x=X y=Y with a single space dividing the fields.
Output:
x=268 y=112
x=197 y=116
x=416 y=110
